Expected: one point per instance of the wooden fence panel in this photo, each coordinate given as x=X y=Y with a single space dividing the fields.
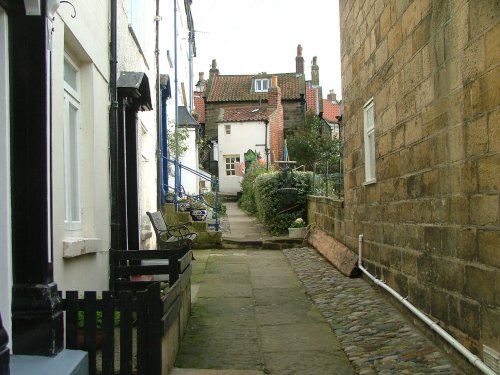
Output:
x=89 y=310
x=154 y=328
x=126 y=333
x=108 y=342
x=72 y=320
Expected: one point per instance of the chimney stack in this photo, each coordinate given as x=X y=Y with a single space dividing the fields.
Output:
x=315 y=72
x=213 y=70
x=274 y=93
x=201 y=85
x=299 y=61
x=332 y=96
x=274 y=81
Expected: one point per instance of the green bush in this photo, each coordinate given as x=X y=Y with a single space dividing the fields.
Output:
x=281 y=198
x=247 y=200
x=209 y=198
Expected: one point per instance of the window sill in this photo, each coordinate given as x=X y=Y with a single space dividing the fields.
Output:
x=370 y=182
x=77 y=246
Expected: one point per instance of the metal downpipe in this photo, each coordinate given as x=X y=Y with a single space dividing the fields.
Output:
x=472 y=358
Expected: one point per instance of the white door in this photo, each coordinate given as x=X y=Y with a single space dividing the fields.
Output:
x=5 y=217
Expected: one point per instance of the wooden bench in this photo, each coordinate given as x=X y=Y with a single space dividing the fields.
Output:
x=171 y=237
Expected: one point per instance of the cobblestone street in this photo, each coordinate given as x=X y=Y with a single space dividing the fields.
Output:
x=375 y=336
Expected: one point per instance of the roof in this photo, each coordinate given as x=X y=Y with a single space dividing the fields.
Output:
x=312 y=96
x=331 y=110
x=231 y=88
x=243 y=114
x=185 y=118
x=199 y=106
x=135 y=86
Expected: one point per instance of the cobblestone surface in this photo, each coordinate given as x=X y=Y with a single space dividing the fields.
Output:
x=375 y=336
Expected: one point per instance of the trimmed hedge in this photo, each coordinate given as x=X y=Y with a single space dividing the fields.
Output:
x=280 y=199
x=247 y=200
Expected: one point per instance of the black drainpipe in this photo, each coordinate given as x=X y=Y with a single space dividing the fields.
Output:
x=158 y=109
x=113 y=134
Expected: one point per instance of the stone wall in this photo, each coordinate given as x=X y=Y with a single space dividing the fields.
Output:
x=293 y=114
x=431 y=221
x=327 y=214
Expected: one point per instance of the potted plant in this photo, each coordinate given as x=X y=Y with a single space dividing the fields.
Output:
x=170 y=197
x=199 y=211
x=297 y=229
x=183 y=204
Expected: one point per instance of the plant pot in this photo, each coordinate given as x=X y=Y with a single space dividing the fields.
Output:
x=297 y=232
x=183 y=207
x=199 y=215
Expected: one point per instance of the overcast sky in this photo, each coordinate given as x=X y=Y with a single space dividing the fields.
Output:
x=252 y=36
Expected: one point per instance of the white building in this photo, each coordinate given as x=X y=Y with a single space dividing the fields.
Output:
x=243 y=133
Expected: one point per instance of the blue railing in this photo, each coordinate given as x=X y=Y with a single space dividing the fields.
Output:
x=179 y=189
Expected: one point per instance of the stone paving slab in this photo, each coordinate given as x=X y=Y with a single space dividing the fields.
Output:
x=377 y=338
x=183 y=371
x=264 y=323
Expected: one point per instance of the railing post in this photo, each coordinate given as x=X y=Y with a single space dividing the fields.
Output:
x=326 y=180
x=216 y=203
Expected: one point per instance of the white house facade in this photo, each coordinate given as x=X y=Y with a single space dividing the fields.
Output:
x=80 y=166
x=236 y=139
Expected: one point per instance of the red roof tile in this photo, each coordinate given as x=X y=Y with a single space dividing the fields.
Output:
x=330 y=110
x=312 y=98
x=199 y=106
x=230 y=88
x=243 y=114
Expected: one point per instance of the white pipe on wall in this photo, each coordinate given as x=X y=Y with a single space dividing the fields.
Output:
x=472 y=358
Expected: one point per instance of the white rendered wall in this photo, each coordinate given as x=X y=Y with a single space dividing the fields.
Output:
x=244 y=136
x=167 y=43
x=190 y=159
x=81 y=257
x=5 y=209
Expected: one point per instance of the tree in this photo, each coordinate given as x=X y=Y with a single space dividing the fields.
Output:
x=314 y=144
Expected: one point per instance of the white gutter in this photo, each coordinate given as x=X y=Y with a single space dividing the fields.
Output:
x=472 y=358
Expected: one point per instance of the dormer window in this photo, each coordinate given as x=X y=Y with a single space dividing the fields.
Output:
x=261 y=85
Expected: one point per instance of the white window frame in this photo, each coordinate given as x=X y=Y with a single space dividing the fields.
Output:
x=72 y=140
x=369 y=142
x=135 y=19
x=261 y=84
x=229 y=166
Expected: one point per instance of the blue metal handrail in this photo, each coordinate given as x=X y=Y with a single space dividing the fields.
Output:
x=179 y=189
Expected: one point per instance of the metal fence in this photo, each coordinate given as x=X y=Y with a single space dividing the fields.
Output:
x=328 y=179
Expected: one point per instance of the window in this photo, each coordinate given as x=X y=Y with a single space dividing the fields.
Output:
x=261 y=85
x=134 y=18
x=72 y=144
x=230 y=164
x=369 y=133
x=228 y=129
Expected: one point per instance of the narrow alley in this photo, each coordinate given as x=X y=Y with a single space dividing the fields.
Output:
x=291 y=312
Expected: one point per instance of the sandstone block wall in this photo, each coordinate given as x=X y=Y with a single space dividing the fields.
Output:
x=431 y=222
